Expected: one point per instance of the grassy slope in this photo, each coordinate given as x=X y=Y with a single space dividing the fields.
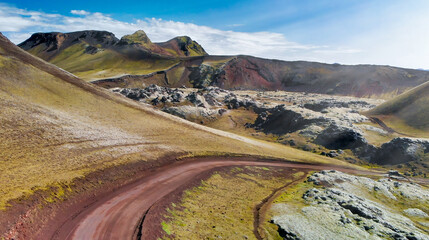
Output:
x=55 y=127
x=222 y=206
x=103 y=64
x=407 y=113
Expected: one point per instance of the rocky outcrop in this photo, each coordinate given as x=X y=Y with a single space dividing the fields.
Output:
x=203 y=75
x=322 y=105
x=333 y=127
x=338 y=208
x=197 y=99
x=415 y=212
x=154 y=94
x=402 y=150
x=200 y=105
x=280 y=120
x=192 y=112
x=232 y=101
x=340 y=137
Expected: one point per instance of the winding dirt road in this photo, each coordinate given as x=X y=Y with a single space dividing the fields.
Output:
x=119 y=215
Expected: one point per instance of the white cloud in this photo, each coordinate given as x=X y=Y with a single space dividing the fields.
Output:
x=79 y=12
x=19 y=24
x=397 y=45
x=235 y=25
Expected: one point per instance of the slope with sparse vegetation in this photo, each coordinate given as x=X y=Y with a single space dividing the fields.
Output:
x=407 y=113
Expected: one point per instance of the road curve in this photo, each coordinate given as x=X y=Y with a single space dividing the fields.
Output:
x=118 y=215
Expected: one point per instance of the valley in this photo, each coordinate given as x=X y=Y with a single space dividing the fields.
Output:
x=112 y=138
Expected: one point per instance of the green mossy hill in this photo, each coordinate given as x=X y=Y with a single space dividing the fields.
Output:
x=51 y=44
x=190 y=47
x=184 y=46
x=137 y=37
x=408 y=109
x=96 y=55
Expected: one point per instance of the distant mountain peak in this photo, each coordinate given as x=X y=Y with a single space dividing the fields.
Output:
x=137 y=37
x=53 y=46
x=185 y=46
x=49 y=44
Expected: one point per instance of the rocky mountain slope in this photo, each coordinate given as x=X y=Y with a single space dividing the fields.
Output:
x=134 y=60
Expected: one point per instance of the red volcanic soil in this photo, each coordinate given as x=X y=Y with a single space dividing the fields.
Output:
x=246 y=74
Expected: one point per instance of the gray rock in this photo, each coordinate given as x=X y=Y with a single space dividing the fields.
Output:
x=340 y=137
x=196 y=99
x=402 y=150
x=341 y=210
x=190 y=112
x=280 y=120
x=232 y=101
x=311 y=131
x=415 y=212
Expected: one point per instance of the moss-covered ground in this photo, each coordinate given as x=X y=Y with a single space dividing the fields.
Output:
x=223 y=205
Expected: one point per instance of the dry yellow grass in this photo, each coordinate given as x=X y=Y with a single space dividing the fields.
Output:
x=55 y=127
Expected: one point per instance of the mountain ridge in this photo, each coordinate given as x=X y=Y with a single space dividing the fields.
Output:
x=134 y=60
x=97 y=40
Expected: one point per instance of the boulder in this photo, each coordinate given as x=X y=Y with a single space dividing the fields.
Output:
x=340 y=137
x=402 y=150
x=279 y=120
x=196 y=99
x=233 y=102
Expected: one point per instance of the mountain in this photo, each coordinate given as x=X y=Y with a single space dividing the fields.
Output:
x=407 y=113
x=134 y=60
x=99 y=54
x=183 y=46
x=56 y=127
x=251 y=73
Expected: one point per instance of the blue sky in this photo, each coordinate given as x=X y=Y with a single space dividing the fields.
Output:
x=387 y=32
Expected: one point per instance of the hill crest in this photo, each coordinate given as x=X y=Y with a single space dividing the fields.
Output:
x=48 y=45
x=135 y=60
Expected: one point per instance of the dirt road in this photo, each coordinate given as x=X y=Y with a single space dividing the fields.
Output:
x=118 y=216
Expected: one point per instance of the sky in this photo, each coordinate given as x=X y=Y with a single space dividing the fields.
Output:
x=384 y=32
